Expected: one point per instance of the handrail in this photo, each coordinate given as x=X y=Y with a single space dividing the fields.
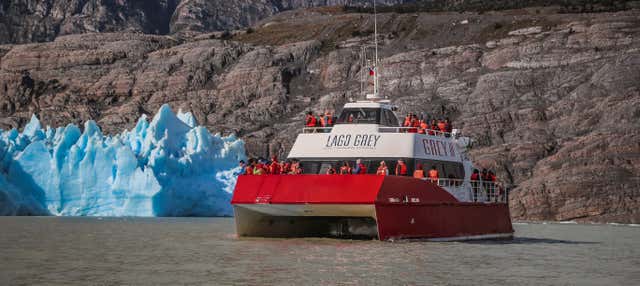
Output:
x=316 y=129
x=480 y=191
x=416 y=130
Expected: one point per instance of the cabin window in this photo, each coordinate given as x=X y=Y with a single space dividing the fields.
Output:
x=391 y=118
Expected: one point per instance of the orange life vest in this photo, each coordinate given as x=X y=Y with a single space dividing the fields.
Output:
x=418 y=174
x=382 y=170
x=442 y=126
x=248 y=170
x=433 y=174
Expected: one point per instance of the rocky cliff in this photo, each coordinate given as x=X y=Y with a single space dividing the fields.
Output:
x=24 y=21
x=553 y=100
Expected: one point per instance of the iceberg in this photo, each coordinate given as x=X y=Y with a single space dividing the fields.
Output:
x=169 y=166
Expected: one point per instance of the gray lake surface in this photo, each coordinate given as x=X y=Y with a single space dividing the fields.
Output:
x=205 y=251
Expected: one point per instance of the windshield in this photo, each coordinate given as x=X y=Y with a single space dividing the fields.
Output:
x=360 y=116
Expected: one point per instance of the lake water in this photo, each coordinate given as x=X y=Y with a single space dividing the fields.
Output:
x=205 y=251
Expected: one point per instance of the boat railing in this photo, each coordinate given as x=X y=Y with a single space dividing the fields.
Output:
x=488 y=191
x=477 y=191
x=415 y=130
x=317 y=129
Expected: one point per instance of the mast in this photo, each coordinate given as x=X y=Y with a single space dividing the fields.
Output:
x=375 y=40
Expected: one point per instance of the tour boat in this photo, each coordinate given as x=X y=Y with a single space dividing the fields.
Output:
x=385 y=207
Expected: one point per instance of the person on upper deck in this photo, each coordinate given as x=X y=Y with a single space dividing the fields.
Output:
x=310 y=120
x=442 y=126
x=407 y=120
x=360 y=168
x=423 y=126
x=433 y=174
x=382 y=169
x=401 y=168
x=345 y=169
x=448 y=127
x=419 y=172
x=433 y=128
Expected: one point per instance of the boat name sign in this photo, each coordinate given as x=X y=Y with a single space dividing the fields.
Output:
x=349 y=141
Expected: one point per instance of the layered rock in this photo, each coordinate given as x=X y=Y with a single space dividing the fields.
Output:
x=553 y=101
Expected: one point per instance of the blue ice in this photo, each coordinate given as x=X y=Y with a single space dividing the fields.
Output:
x=167 y=167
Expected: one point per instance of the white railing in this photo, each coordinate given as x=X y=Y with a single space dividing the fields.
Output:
x=475 y=191
x=317 y=129
x=487 y=191
x=416 y=130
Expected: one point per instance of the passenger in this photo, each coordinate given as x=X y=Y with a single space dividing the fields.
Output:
x=447 y=127
x=475 y=184
x=286 y=167
x=259 y=169
x=433 y=127
x=401 y=168
x=407 y=120
x=296 y=168
x=441 y=127
x=331 y=170
x=433 y=174
x=243 y=167
x=382 y=169
x=345 y=169
x=491 y=181
x=414 y=124
x=311 y=120
x=360 y=169
x=249 y=169
x=350 y=119
x=328 y=119
x=423 y=127
x=419 y=172
x=275 y=167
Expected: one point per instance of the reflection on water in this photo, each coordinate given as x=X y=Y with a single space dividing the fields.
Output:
x=205 y=251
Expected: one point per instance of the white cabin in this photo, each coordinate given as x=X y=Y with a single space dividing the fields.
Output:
x=370 y=131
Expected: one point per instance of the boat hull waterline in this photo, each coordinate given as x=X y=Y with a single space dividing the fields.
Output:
x=361 y=206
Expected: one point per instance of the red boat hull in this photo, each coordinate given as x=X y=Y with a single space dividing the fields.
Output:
x=384 y=207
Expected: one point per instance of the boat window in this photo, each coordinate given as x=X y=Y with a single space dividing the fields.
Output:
x=321 y=167
x=448 y=170
x=391 y=118
x=359 y=116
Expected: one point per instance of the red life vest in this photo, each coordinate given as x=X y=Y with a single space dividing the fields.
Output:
x=382 y=170
x=442 y=126
x=401 y=170
x=363 y=169
x=311 y=121
x=407 y=121
x=248 y=170
x=275 y=168
x=475 y=177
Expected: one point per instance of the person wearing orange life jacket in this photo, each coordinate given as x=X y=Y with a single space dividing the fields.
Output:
x=433 y=174
x=249 y=168
x=360 y=168
x=286 y=167
x=382 y=169
x=259 y=169
x=401 y=168
x=419 y=172
x=296 y=169
x=275 y=168
x=345 y=169
x=442 y=127
x=407 y=121
x=423 y=127
x=310 y=120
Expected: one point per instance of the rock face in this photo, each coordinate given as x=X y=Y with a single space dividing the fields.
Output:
x=24 y=21
x=552 y=100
